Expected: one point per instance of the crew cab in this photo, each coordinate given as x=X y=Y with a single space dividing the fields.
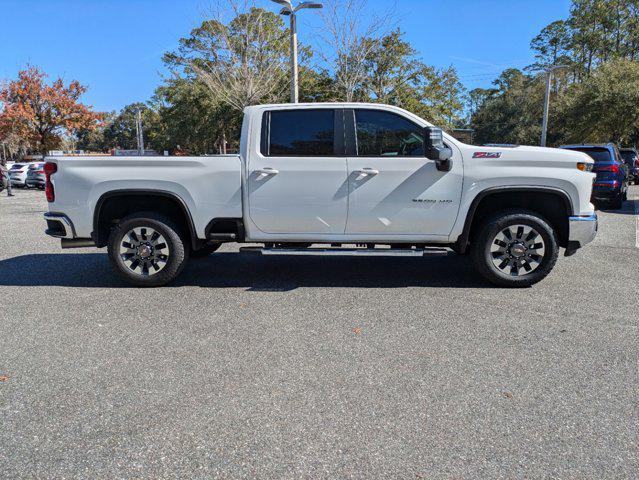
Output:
x=329 y=179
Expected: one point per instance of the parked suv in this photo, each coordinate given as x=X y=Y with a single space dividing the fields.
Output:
x=611 y=184
x=35 y=176
x=631 y=158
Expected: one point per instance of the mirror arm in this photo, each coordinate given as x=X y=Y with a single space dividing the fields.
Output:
x=444 y=165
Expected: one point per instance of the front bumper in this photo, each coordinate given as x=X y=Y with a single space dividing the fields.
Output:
x=582 y=230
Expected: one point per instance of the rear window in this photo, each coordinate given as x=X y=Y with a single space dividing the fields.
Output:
x=597 y=154
x=17 y=166
x=301 y=133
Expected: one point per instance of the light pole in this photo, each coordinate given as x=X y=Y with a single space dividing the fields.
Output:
x=544 y=126
x=139 y=132
x=291 y=11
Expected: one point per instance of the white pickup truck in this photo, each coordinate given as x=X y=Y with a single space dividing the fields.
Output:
x=329 y=179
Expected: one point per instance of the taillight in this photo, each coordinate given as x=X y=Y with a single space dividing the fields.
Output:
x=49 y=169
x=608 y=168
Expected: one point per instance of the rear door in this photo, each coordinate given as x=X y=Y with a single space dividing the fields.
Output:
x=297 y=181
x=394 y=189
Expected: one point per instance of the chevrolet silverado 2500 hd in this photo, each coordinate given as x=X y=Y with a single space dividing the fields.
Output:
x=314 y=179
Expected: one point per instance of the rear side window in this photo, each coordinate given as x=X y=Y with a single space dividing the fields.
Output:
x=386 y=134
x=597 y=154
x=299 y=133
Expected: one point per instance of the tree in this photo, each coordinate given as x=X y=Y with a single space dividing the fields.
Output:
x=94 y=140
x=190 y=117
x=243 y=62
x=512 y=112
x=121 y=131
x=349 y=40
x=552 y=46
x=606 y=106
x=395 y=75
x=41 y=114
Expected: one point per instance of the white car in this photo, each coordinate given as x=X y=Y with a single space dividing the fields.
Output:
x=18 y=174
x=35 y=176
x=330 y=179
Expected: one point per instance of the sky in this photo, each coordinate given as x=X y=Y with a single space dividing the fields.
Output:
x=115 y=47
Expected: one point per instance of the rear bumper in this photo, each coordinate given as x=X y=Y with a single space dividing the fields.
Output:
x=59 y=225
x=582 y=230
x=604 y=190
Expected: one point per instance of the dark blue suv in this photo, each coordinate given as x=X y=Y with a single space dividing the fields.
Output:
x=611 y=184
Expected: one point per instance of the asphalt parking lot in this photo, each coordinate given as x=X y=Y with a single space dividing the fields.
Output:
x=316 y=368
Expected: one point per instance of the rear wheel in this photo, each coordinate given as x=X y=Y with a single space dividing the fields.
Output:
x=617 y=203
x=146 y=250
x=515 y=249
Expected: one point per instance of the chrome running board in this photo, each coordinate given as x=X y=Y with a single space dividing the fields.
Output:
x=349 y=252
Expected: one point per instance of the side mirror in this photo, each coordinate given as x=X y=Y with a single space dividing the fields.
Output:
x=436 y=149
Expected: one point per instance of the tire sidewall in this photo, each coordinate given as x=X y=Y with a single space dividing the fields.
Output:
x=496 y=225
x=177 y=251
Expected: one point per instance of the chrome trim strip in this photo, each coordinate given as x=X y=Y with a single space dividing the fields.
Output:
x=69 y=230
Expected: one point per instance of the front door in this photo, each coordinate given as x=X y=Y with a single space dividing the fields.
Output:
x=394 y=189
x=298 y=181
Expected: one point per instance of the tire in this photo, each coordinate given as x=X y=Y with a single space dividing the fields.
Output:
x=617 y=203
x=159 y=259
x=205 y=251
x=535 y=252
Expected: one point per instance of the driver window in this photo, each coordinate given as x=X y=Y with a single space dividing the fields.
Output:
x=386 y=134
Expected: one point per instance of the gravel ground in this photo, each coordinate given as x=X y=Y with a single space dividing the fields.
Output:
x=316 y=367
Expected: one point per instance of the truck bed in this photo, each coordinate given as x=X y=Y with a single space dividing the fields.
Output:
x=210 y=187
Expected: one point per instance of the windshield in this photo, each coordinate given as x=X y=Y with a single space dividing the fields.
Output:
x=597 y=154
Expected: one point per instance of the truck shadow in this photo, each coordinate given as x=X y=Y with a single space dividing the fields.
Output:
x=250 y=271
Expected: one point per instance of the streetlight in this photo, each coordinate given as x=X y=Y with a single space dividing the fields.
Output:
x=292 y=12
x=544 y=126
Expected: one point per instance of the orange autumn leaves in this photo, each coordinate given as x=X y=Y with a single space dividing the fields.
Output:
x=40 y=114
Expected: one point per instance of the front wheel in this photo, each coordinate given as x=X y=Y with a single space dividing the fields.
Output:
x=515 y=249
x=146 y=250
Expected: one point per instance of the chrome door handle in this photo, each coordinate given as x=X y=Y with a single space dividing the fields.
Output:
x=267 y=171
x=367 y=171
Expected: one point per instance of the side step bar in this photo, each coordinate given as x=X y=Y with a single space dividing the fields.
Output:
x=222 y=237
x=348 y=252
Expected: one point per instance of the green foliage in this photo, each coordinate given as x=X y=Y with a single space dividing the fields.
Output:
x=396 y=76
x=605 y=107
x=191 y=118
x=595 y=100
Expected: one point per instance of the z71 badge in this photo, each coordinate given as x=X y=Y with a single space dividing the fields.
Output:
x=487 y=155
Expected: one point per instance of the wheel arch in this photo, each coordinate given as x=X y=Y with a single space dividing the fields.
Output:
x=512 y=192
x=100 y=232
